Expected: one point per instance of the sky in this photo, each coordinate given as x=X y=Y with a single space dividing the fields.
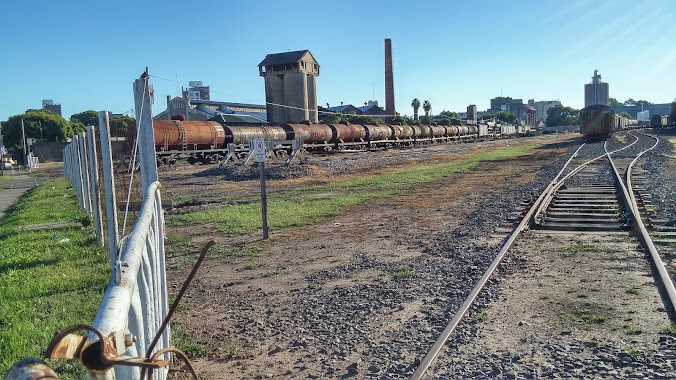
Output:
x=86 y=54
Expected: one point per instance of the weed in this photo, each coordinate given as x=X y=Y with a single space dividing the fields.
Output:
x=577 y=248
x=671 y=329
x=631 y=351
x=186 y=343
x=273 y=273
x=592 y=343
x=481 y=316
x=402 y=272
x=634 y=290
x=253 y=265
x=630 y=330
x=382 y=277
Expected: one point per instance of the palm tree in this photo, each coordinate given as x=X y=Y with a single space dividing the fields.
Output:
x=416 y=105
x=427 y=106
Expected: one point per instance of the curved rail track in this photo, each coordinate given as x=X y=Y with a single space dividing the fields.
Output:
x=608 y=205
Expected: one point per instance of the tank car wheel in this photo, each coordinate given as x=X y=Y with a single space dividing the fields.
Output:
x=192 y=160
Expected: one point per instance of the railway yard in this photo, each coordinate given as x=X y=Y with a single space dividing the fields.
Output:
x=364 y=287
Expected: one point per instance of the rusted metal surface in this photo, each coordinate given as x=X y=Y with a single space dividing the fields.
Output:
x=274 y=133
x=378 y=132
x=31 y=369
x=175 y=134
x=242 y=135
x=341 y=132
x=463 y=130
x=421 y=131
x=451 y=130
x=406 y=131
x=313 y=133
x=437 y=131
x=473 y=130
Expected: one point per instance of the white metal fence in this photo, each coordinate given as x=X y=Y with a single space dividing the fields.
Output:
x=135 y=302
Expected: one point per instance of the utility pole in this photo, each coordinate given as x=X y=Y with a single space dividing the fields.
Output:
x=2 y=153
x=23 y=140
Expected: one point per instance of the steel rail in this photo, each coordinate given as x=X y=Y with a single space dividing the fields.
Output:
x=543 y=206
x=460 y=313
x=647 y=240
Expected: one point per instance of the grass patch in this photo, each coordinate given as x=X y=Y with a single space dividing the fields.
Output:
x=192 y=348
x=48 y=279
x=631 y=351
x=621 y=138
x=402 y=272
x=481 y=316
x=253 y=265
x=671 y=329
x=273 y=273
x=635 y=290
x=310 y=204
x=576 y=248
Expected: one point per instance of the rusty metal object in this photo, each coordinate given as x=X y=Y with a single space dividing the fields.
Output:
x=473 y=130
x=378 y=132
x=406 y=131
x=437 y=131
x=31 y=369
x=173 y=307
x=176 y=134
x=421 y=131
x=341 y=132
x=397 y=130
x=451 y=130
x=463 y=130
x=178 y=353
x=274 y=133
x=242 y=135
x=313 y=133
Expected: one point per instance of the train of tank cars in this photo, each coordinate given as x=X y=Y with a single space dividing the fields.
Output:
x=210 y=142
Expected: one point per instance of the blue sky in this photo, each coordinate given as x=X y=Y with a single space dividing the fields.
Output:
x=85 y=55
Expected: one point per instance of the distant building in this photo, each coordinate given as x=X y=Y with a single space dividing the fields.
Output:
x=347 y=109
x=202 y=110
x=653 y=109
x=596 y=92
x=196 y=91
x=372 y=109
x=542 y=106
x=48 y=104
x=290 y=86
x=531 y=116
x=507 y=104
x=471 y=114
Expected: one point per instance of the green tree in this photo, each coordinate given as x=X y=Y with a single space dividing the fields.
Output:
x=625 y=114
x=630 y=102
x=86 y=118
x=416 y=106
x=39 y=124
x=487 y=116
x=613 y=103
x=119 y=125
x=643 y=103
x=506 y=117
x=560 y=115
x=449 y=114
x=404 y=120
x=364 y=119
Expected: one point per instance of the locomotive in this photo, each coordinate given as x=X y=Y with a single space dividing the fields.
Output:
x=210 y=141
x=597 y=121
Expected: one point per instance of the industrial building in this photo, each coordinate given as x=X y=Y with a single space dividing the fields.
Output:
x=471 y=114
x=541 y=107
x=48 y=104
x=507 y=104
x=202 y=110
x=596 y=92
x=196 y=91
x=290 y=86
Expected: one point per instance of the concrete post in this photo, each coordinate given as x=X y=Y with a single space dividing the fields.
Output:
x=109 y=186
x=87 y=200
x=94 y=180
x=143 y=97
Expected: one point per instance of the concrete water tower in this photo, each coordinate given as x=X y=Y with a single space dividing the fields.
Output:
x=290 y=86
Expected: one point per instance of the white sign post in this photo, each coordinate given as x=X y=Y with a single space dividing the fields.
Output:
x=259 y=150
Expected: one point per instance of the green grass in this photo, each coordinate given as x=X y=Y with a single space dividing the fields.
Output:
x=5 y=181
x=49 y=280
x=576 y=248
x=402 y=272
x=183 y=341
x=635 y=290
x=309 y=205
x=621 y=138
x=481 y=316
x=671 y=329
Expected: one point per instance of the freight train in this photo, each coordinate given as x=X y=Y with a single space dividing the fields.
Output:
x=600 y=121
x=209 y=141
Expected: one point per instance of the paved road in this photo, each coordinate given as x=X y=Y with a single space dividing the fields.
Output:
x=20 y=184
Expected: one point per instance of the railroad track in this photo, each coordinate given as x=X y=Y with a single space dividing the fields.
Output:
x=601 y=194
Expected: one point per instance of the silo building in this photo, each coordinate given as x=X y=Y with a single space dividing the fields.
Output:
x=596 y=92
x=471 y=114
x=290 y=86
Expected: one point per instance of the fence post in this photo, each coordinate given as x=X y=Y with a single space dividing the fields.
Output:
x=143 y=96
x=85 y=174
x=94 y=179
x=109 y=186
x=77 y=171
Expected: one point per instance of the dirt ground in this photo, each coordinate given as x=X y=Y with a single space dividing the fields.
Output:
x=392 y=231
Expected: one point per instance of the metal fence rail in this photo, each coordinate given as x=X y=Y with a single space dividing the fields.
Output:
x=135 y=302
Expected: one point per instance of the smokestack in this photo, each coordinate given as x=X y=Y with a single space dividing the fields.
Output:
x=389 y=81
